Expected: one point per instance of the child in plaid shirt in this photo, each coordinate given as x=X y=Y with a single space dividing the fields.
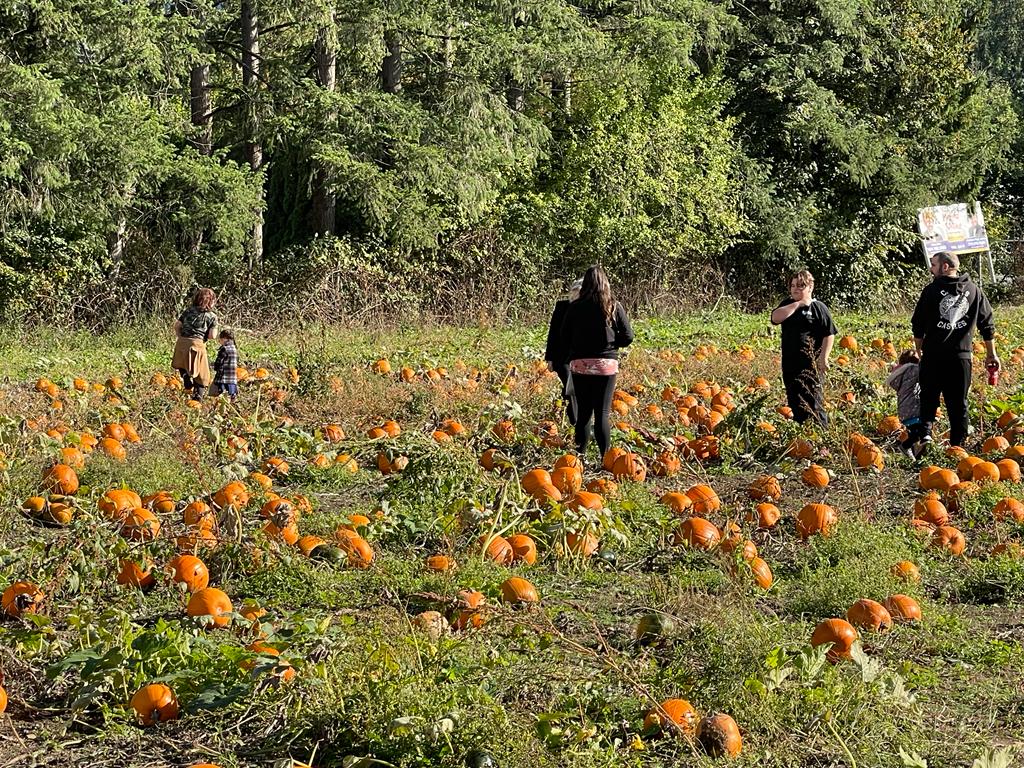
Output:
x=225 y=380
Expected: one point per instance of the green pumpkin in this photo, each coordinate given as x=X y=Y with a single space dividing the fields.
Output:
x=327 y=553
x=653 y=628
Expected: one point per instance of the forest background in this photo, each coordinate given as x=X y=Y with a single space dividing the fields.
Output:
x=355 y=161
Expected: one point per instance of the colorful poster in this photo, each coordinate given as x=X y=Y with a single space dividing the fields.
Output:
x=952 y=228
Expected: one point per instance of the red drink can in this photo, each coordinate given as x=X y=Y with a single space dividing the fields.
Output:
x=993 y=374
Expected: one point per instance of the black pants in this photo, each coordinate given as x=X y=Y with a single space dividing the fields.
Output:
x=951 y=378
x=563 y=375
x=191 y=385
x=804 y=395
x=593 y=401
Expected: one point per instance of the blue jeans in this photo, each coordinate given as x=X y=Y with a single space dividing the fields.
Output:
x=227 y=389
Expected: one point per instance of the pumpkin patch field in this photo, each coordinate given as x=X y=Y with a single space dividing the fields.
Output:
x=386 y=553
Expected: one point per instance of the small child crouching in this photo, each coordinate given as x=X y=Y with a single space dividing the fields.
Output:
x=904 y=379
x=225 y=380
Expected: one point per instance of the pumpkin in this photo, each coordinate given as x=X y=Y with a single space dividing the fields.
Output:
x=870 y=615
x=903 y=608
x=434 y=624
x=275 y=465
x=581 y=544
x=155 y=703
x=524 y=548
x=160 y=502
x=765 y=515
x=1009 y=508
x=906 y=571
x=950 y=539
x=996 y=444
x=131 y=574
x=440 y=563
x=1009 y=470
x=938 y=479
x=360 y=553
x=611 y=456
x=666 y=464
x=705 y=500
x=234 y=494
x=839 y=633
x=190 y=571
x=469 y=613
x=719 y=735
x=762 y=572
x=765 y=487
x=496 y=548
x=279 y=511
x=210 y=602
x=586 y=500
x=113 y=449
x=116 y=503
x=60 y=478
x=931 y=510
x=307 y=544
x=264 y=482
x=3 y=700
x=333 y=433
x=985 y=472
x=20 y=598
x=889 y=425
x=603 y=486
x=871 y=457
x=965 y=466
x=504 y=430
x=815 y=518
x=815 y=476
x=800 y=448
x=679 y=503
x=516 y=590
x=630 y=466
x=698 y=533
x=568 y=480
x=678 y=711
x=72 y=457
x=140 y=525
x=654 y=627
x=199 y=514
x=1009 y=549
x=735 y=541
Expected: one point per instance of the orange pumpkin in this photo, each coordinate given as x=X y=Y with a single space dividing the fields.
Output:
x=155 y=703
x=60 y=478
x=20 y=598
x=950 y=539
x=131 y=574
x=678 y=711
x=765 y=488
x=765 y=516
x=816 y=518
x=838 y=633
x=516 y=590
x=698 y=533
x=213 y=603
x=524 y=548
x=985 y=472
x=630 y=466
x=705 y=500
x=870 y=615
x=497 y=549
x=903 y=608
x=906 y=571
x=1009 y=508
x=190 y=571
x=815 y=476
x=719 y=735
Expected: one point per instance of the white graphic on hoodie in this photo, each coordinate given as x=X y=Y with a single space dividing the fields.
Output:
x=952 y=311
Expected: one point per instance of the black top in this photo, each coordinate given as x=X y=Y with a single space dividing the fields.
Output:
x=197 y=323
x=587 y=334
x=947 y=313
x=803 y=333
x=554 y=351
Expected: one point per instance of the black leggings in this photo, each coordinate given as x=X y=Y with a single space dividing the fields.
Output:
x=951 y=378
x=562 y=370
x=593 y=396
x=192 y=385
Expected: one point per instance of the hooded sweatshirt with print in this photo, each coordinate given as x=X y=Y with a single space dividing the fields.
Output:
x=947 y=313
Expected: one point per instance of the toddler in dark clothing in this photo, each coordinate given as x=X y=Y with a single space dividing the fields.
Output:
x=905 y=380
x=225 y=366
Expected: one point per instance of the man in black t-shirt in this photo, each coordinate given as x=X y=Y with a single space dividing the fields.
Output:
x=808 y=333
x=949 y=310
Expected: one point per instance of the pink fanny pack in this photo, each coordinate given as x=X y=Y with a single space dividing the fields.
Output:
x=595 y=366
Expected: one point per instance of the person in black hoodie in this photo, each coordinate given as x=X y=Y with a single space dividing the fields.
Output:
x=594 y=329
x=555 y=353
x=950 y=308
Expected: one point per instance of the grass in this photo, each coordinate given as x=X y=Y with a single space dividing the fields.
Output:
x=562 y=684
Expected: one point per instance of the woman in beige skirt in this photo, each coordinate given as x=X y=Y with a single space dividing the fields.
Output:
x=194 y=328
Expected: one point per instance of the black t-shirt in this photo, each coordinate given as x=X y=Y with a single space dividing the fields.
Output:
x=803 y=332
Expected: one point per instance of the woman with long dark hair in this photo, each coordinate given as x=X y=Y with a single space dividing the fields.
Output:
x=196 y=326
x=594 y=329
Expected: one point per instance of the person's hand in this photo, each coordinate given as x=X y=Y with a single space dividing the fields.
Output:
x=822 y=364
x=993 y=358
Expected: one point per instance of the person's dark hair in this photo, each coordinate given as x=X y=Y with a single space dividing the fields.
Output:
x=803 y=276
x=596 y=288
x=949 y=259
x=910 y=356
x=227 y=333
x=204 y=299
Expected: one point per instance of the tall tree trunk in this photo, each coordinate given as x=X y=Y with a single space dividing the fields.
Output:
x=561 y=90
x=391 y=69
x=515 y=96
x=200 y=106
x=325 y=51
x=250 y=83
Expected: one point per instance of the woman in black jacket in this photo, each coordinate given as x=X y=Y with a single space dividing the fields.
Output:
x=555 y=353
x=594 y=329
